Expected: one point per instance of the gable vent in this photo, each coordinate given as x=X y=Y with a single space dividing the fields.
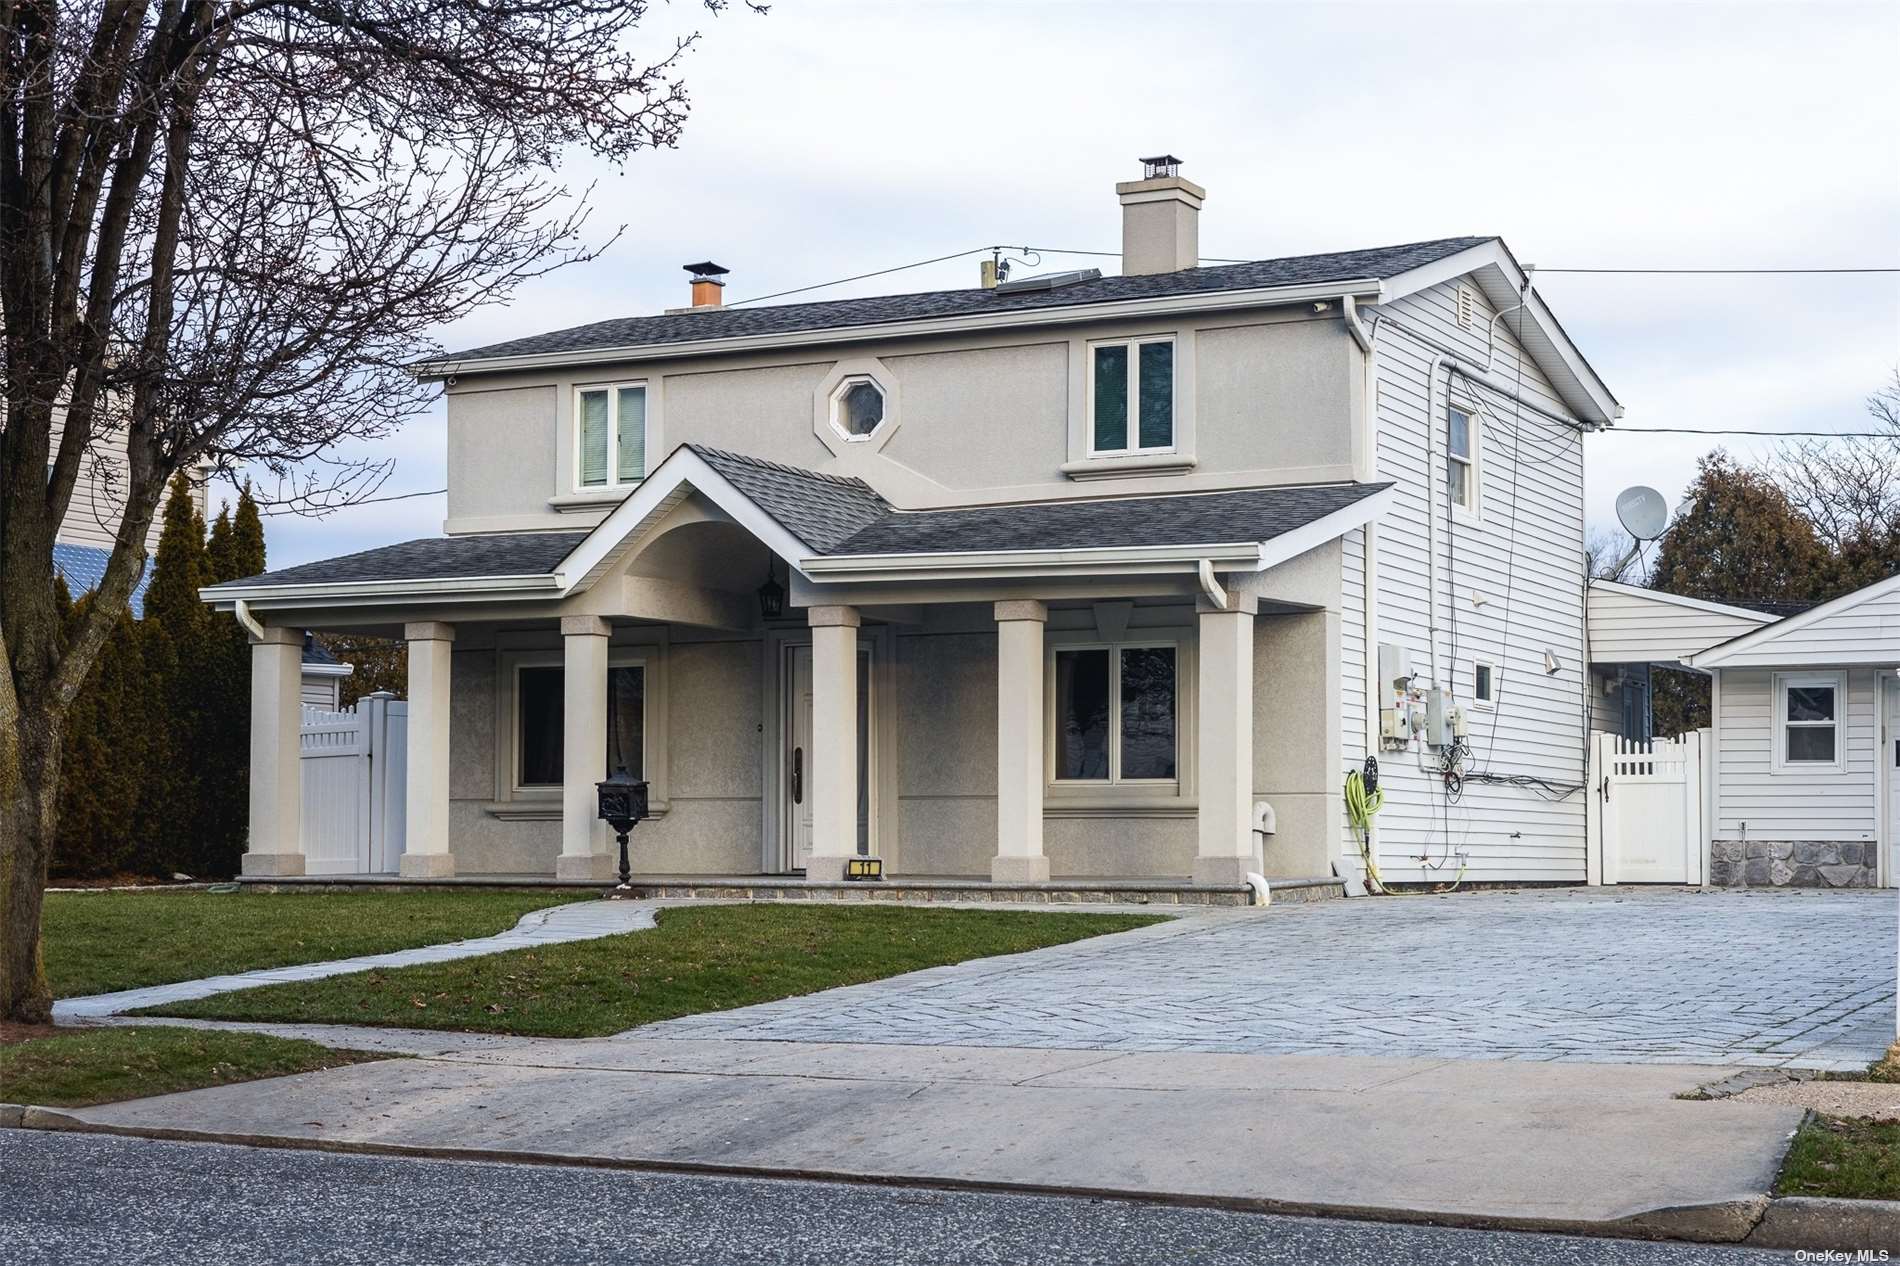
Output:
x=1467 y=307
x=1049 y=281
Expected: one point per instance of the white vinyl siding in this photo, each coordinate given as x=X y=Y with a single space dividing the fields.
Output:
x=1636 y=627
x=93 y=514
x=1754 y=800
x=1527 y=563
x=1865 y=632
x=321 y=692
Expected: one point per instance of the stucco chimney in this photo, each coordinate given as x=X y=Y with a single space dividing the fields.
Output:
x=708 y=289
x=1161 y=219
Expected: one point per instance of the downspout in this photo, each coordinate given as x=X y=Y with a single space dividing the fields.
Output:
x=1367 y=339
x=242 y=611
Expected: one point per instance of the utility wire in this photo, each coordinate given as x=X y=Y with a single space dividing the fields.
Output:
x=1773 y=435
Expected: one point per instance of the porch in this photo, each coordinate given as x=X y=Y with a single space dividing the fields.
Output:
x=1112 y=715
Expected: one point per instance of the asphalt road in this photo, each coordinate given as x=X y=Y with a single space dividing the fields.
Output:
x=70 y=1199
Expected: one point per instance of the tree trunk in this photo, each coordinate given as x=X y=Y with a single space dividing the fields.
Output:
x=28 y=806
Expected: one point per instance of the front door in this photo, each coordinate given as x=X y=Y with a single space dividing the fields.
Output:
x=797 y=755
x=1890 y=735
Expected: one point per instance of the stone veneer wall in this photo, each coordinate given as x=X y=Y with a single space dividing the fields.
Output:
x=1791 y=864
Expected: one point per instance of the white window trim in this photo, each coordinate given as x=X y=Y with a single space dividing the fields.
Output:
x=1153 y=793
x=1778 y=750
x=614 y=481
x=512 y=798
x=1133 y=420
x=837 y=408
x=1485 y=704
x=1474 y=464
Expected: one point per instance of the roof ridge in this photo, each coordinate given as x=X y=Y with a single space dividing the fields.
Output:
x=764 y=463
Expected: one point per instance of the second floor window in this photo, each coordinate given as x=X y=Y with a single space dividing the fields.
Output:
x=1461 y=459
x=1131 y=396
x=613 y=435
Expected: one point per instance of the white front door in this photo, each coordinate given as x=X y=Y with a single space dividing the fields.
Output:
x=1890 y=756
x=798 y=757
x=797 y=754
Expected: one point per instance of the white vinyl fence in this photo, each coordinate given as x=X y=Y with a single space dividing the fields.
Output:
x=354 y=769
x=1648 y=821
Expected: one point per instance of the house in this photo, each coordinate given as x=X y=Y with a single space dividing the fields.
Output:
x=1805 y=717
x=1632 y=630
x=83 y=545
x=1103 y=578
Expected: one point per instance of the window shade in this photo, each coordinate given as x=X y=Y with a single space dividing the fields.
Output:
x=633 y=434
x=593 y=439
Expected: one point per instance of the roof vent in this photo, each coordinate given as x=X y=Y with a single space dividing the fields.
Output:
x=1160 y=167
x=1048 y=281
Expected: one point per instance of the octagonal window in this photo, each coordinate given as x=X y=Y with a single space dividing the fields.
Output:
x=859 y=408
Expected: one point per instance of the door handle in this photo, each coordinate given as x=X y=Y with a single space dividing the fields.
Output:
x=798 y=775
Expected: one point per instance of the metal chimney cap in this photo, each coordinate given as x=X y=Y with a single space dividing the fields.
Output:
x=707 y=269
x=1159 y=166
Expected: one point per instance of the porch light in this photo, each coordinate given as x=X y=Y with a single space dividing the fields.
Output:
x=623 y=802
x=771 y=596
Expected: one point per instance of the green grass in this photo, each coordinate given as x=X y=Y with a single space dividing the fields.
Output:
x=708 y=958
x=1849 y=1157
x=99 y=942
x=71 y=1070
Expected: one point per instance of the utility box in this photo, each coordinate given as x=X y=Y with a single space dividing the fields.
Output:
x=1399 y=719
x=1442 y=722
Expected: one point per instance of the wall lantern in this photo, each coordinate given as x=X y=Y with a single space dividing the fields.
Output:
x=771 y=596
x=623 y=802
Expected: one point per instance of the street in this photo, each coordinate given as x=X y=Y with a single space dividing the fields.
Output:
x=81 y=1199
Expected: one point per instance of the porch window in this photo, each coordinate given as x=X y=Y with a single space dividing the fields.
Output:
x=1807 y=721
x=1115 y=713
x=540 y=712
x=1131 y=397
x=612 y=435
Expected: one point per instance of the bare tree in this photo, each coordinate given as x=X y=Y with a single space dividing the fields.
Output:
x=1849 y=488
x=225 y=227
x=1612 y=555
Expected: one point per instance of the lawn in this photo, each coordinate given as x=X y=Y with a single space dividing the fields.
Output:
x=85 y=1066
x=707 y=958
x=1850 y=1157
x=99 y=942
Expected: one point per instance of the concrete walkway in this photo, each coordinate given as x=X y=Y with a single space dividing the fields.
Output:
x=1477 y=1143
x=576 y=921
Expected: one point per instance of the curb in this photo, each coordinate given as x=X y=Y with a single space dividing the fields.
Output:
x=1721 y=1222
x=1826 y=1224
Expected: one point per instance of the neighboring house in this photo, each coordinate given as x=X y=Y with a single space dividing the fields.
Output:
x=1806 y=766
x=322 y=676
x=83 y=546
x=1065 y=576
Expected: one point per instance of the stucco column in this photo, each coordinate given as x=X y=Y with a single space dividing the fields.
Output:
x=834 y=740
x=425 y=850
x=1224 y=746
x=1019 y=778
x=276 y=836
x=583 y=746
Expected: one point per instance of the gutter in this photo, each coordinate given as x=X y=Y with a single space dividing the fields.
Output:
x=1201 y=301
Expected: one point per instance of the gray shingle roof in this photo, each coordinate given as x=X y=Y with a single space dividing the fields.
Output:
x=744 y=322
x=433 y=558
x=1204 y=518
x=818 y=509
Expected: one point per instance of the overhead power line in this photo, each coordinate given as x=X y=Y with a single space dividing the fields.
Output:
x=1773 y=435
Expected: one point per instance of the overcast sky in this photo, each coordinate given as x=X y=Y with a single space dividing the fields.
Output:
x=830 y=138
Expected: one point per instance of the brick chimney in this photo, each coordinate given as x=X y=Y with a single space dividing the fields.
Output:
x=707 y=286
x=1161 y=219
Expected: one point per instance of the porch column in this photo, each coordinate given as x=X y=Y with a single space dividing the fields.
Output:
x=425 y=852
x=276 y=835
x=1224 y=705
x=834 y=740
x=1019 y=775
x=583 y=746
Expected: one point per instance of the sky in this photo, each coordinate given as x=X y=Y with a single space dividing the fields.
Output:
x=829 y=138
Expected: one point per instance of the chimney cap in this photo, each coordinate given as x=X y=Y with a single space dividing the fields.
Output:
x=1159 y=167
x=706 y=269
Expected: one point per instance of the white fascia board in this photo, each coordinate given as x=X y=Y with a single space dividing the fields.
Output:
x=682 y=470
x=1717 y=655
x=1326 y=528
x=1166 y=305
x=487 y=588
x=1677 y=600
x=328 y=670
x=1598 y=405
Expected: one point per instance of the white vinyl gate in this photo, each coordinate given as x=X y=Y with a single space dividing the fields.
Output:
x=1647 y=819
x=354 y=769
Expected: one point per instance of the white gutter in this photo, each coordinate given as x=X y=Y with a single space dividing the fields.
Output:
x=1202 y=301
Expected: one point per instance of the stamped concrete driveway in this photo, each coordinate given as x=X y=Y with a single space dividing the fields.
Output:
x=1790 y=978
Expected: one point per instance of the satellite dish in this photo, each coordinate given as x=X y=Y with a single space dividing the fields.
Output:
x=1642 y=512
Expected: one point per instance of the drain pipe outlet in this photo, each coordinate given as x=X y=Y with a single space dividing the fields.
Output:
x=1258 y=882
x=244 y=617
